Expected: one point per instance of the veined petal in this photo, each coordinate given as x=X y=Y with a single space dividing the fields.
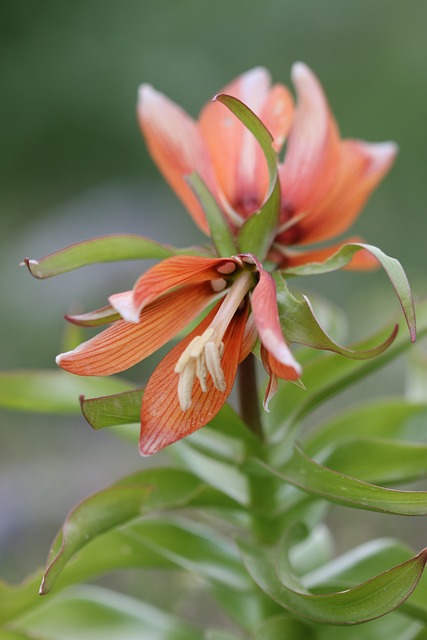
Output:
x=124 y=344
x=361 y=261
x=266 y=316
x=171 y=273
x=177 y=147
x=162 y=419
x=313 y=147
x=362 y=166
x=232 y=147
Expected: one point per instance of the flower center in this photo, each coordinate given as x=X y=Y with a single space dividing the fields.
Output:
x=203 y=354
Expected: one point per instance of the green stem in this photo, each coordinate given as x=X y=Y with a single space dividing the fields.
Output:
x=248 y=396
x=263 y=490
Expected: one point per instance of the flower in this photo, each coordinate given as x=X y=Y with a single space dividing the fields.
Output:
x=325 y=180
x=193 y=381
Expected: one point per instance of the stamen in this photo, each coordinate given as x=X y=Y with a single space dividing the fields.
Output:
x=218 y=285
x=213 y=362
x=227 y=268
x=185 y=385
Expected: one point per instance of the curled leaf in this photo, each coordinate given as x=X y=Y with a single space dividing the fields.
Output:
x=371 y=599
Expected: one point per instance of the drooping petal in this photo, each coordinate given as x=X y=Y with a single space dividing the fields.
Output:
x=249 y=338
x=362 y=166
x=285 y=258
x=266 y=316
x=168 y=274
x=177 y=147
x=275 y=370
x=124 y=344
x=232 y=147
x=162 y=419
x=313 y=147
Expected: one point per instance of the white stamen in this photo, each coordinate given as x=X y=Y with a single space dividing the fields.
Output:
x=213 y=364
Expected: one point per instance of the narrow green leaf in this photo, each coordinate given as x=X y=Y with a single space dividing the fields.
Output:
x=137 y=494
x=219 y=229
x=116 y=409
x=96 y=318
x=103 y=511
x=300 y=325
x=220 y=475
x=257 y=233
x=102 y=249
x=306 y=474
x=283 y=626
x=379 y=460
x=94 y=612
x=391 y=266
x=369 y=600
x=194 y=547
x=328 y=375
x=44 y=391
x=390 y=418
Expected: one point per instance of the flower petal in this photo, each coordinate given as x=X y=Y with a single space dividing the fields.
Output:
x=232 y=147
x=178 y=149
x=362 y=166
x=275 y=370
x=162 y=419
x=124 y=344
x=168 y=274
x=313 y=147
x=266 y=316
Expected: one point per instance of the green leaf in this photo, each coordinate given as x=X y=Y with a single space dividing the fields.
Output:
x=93 y=612
x=194 y=547
x=283 y=626
x=389 y=418
x=219 y=229
x=306 y=474
x=366 y=601
x=391 y=266
x=257 y=233
x=325 y=377
x=102 y=249
x=96 y=318
x=116 y=409
x=99 y=513
x=135 y=495
x=378 y=460
x=300 y=325
x=44 y=391
x=220 y=475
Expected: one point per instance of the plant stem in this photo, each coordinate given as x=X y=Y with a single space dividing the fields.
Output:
x=248 y=396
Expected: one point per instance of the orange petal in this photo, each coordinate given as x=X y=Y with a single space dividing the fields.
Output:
x=168 y=274
x=176 y=146
x=275 y=370
x=362 y=166
x=162 y=419
x=124 y=344
x=232 y=147
x=361 y=261
x=313 y=147
x=266 y=316
x=249 y=338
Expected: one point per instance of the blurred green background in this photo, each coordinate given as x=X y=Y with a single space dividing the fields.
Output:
x=73 y=165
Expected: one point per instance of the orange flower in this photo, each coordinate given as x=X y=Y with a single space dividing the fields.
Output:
x=193 y=381
x=325 y=180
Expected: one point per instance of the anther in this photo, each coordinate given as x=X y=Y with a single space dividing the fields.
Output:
x=218 y=284
x=227 y=268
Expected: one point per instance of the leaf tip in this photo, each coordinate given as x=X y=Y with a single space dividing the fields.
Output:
x=31 y=266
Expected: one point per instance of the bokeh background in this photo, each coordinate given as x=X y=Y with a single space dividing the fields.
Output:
x=73 y=165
